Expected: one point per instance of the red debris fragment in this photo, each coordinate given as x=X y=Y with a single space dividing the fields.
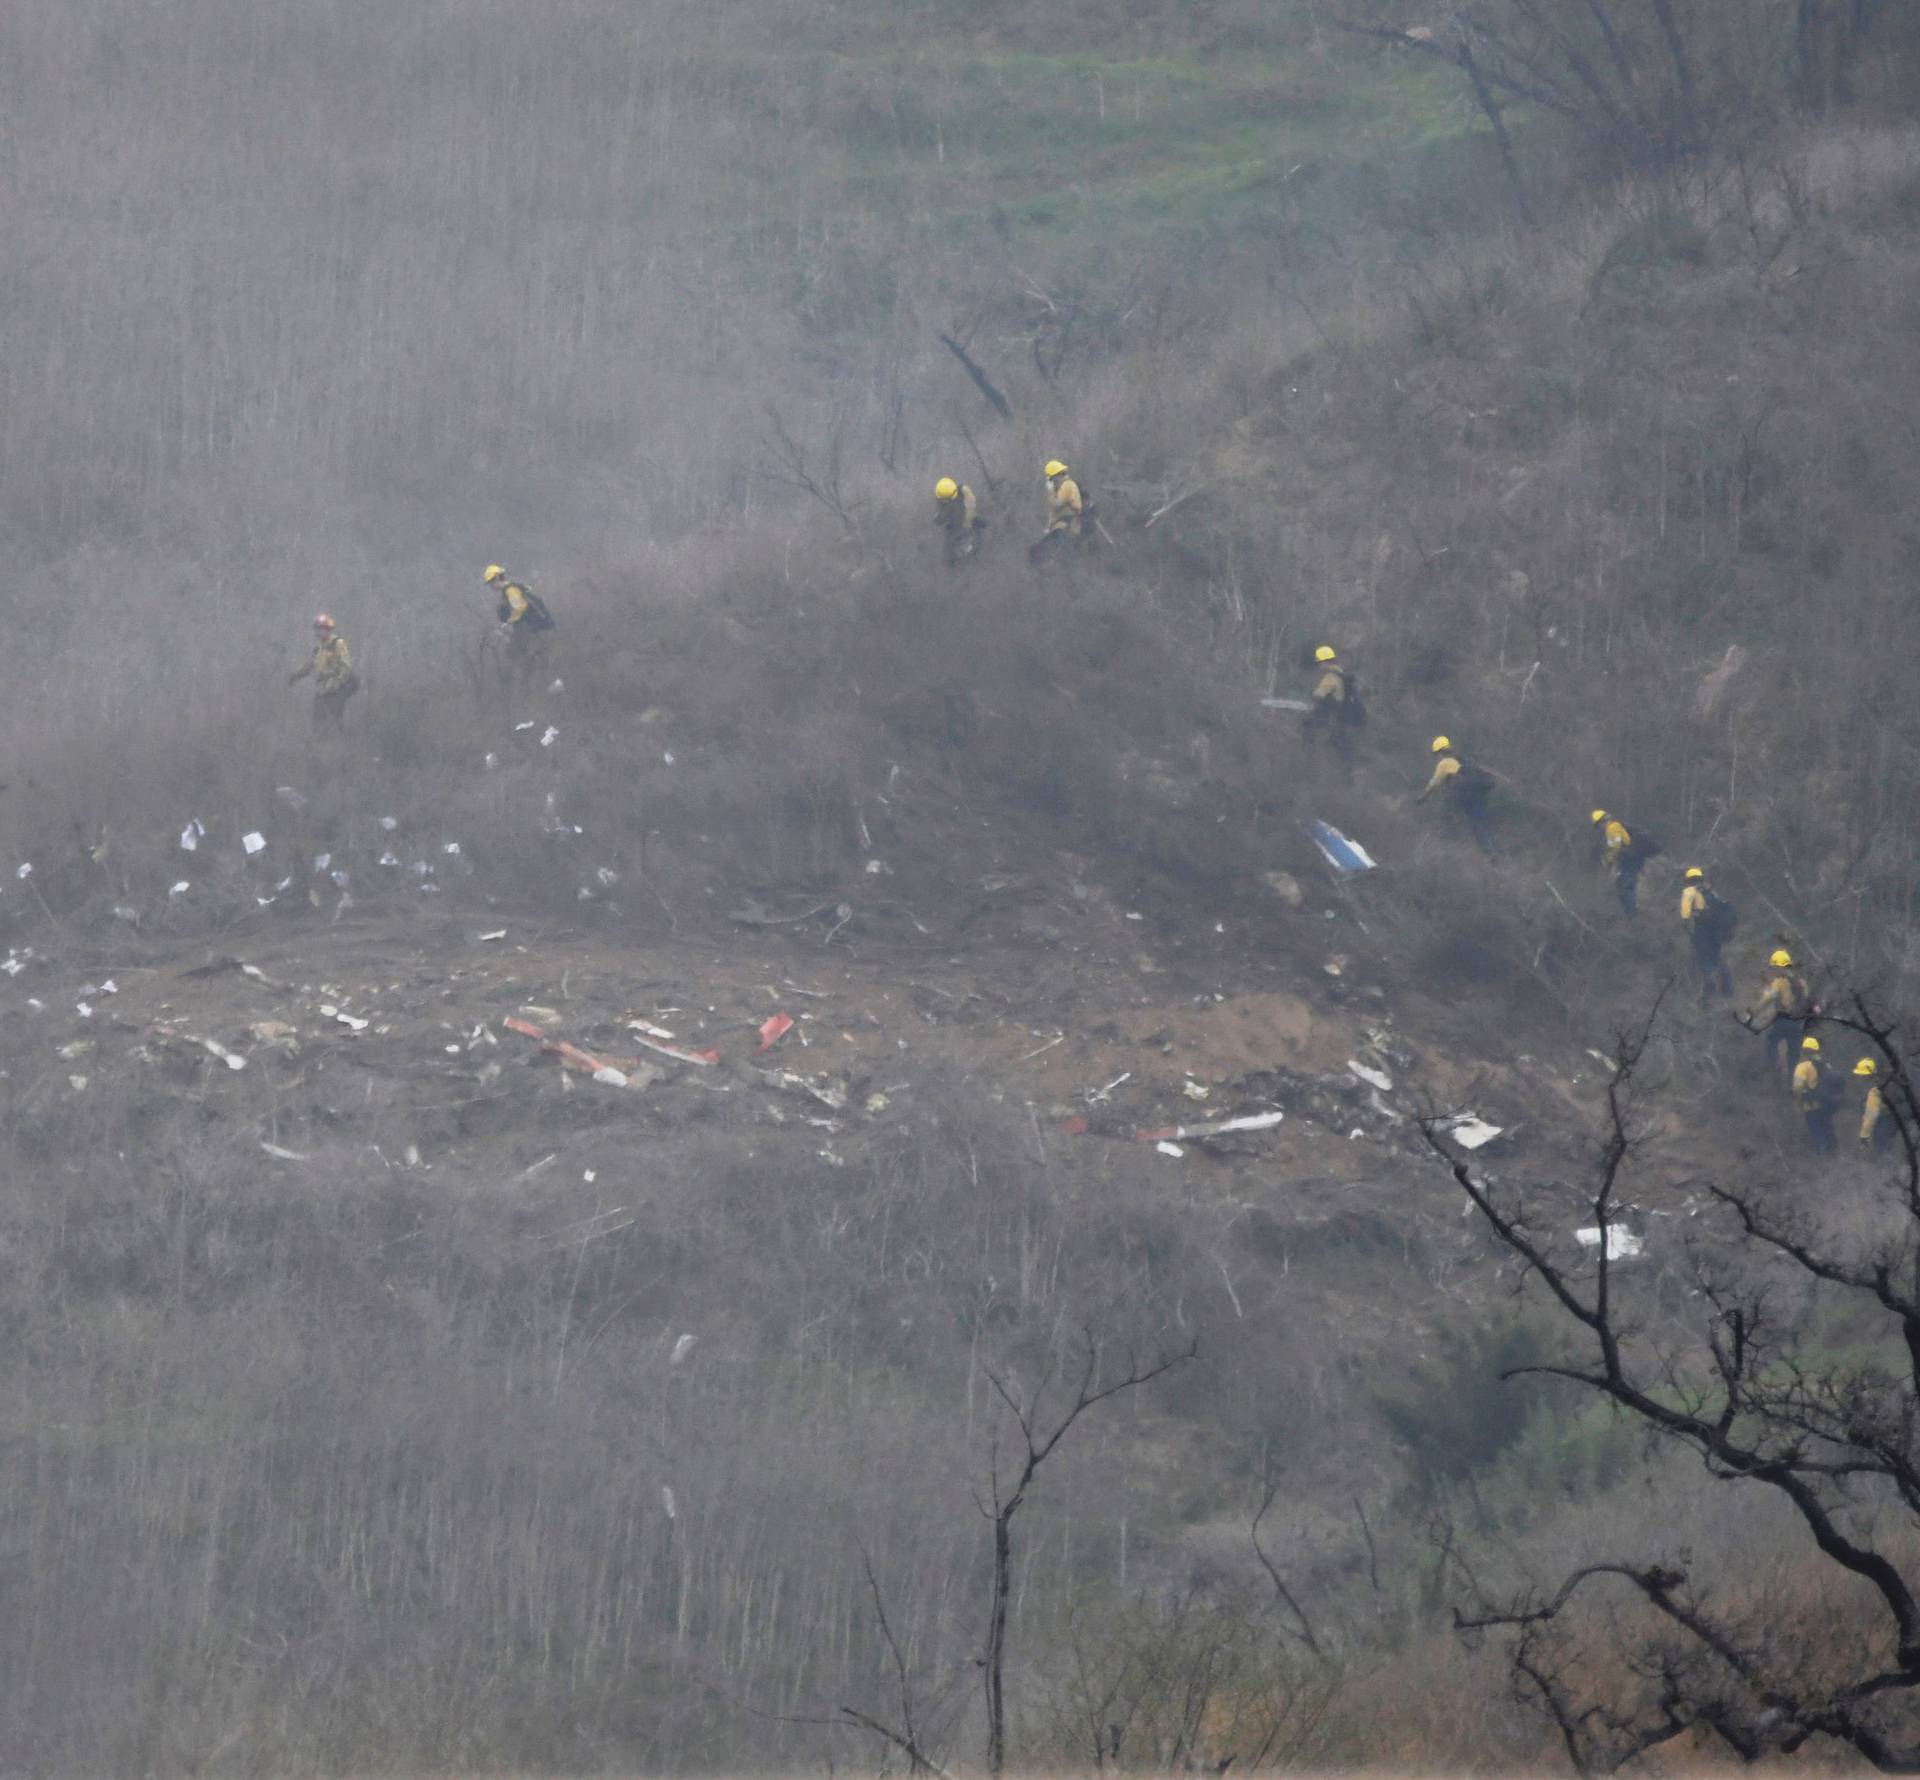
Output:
x=775 y=1029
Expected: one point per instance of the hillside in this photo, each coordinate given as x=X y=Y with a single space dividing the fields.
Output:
x=433 y=1404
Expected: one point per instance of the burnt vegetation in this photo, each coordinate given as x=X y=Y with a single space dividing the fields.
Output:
x=382 y=1397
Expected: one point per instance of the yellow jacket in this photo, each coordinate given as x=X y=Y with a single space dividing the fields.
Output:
x=515 y=597
x=1872 y=1113
x=1784 y=997
x=1063 y=505
x=1614 y=842
x=331 y=666
x=1331 y=687
x=956 y=515
x=1693 y=902
x=1806 y=1085
x=1445 y=768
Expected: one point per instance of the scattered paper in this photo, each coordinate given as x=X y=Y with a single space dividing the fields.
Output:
x=1169 y=1149
x=254 y=842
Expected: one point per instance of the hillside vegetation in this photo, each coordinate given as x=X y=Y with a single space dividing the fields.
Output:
x=354 y=1418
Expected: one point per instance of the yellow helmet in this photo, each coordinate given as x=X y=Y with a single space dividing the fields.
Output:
x=1781 y=960
x=1324 y=652
x=1693 y=872
x=1810 y=1044
x=1866 y=1066
x=1055 y=468
x=1599 y=815
x=1441 y=745
x=493 y=572
x=946 y=489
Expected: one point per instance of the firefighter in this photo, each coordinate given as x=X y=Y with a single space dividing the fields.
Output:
x=334 y=681
x=1622 y=858
x=1066 y=513
x=1785 y=1003
x=525 y=633
x=1811 y=1099
x=1466 y=786
x=1333 y=707
x=956 y=514
x=1707 y=919
x=1876 y=1124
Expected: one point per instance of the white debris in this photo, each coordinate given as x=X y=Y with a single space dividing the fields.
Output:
x=490 y=761
x=552 y=736
x=294 y=800
x=666 y=1501
x=341 y=878
x=214 y=1048
x=84 y=1009
x=1169 y=1149
x=13 y=966
x=681 y=1348
x=1622 y=1244
x=283 y=1155
x=1374 y=1078
x=321 y=861
x=389 y=858
x=558 y=686
x=879 y=868
x=451 y=849
x=1194 y=1090
x=389 y=823
x=667 y=757
x=190 y=836
x=25 y=871
x=255 y=842
x=610 y=1077
x=497 y=933
x=78 y=1083
x=122 y=913
x=1469 y=1130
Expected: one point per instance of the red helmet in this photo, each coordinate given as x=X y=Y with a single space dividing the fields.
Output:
x=323 y=622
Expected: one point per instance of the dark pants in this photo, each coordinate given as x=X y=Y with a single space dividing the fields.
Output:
x=1330 y=720
x=1819 y=1129
x=1470 y=806
x=1626 y=885
x=330 y=711
x=1708 y=966
x=1783 y=1039
x=958 y=542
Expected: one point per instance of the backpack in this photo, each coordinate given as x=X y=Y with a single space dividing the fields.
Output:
x=1353 y=708
x=537 y=616
x=1473 y=781
x=1642 y=846
x=1719 y=919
